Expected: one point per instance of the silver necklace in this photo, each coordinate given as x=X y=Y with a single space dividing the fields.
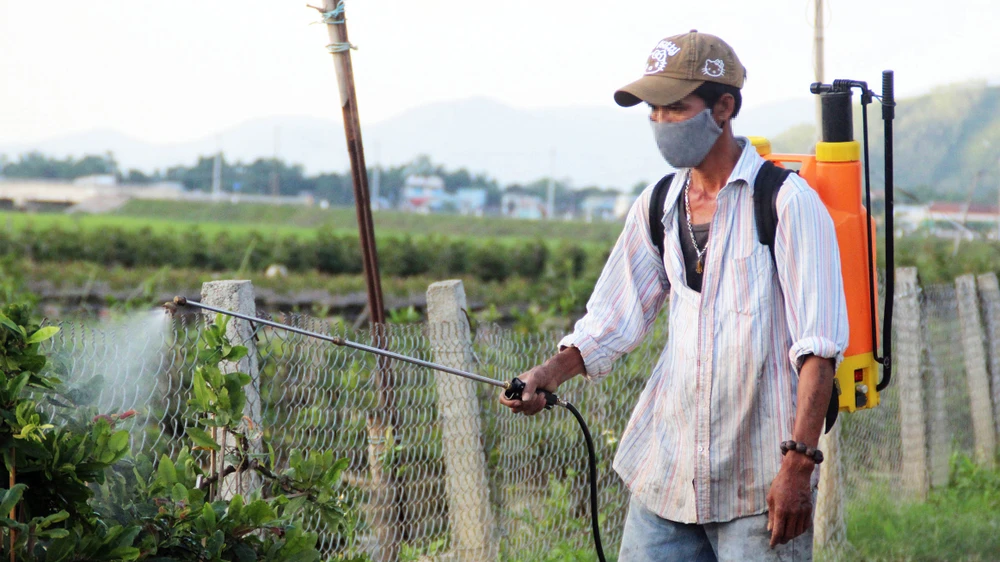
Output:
x=700 y=267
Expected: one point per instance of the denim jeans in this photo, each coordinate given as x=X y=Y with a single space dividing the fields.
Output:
x=650 y=538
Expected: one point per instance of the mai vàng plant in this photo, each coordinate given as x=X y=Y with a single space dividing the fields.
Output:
x=75 y=491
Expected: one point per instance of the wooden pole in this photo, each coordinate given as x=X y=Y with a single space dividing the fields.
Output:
x=386 y=510
x=818 y=63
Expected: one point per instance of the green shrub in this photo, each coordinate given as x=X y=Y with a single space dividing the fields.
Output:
x=78 y=494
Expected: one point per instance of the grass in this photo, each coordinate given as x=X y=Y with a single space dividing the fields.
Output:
x=958 y=522
x=43 y=221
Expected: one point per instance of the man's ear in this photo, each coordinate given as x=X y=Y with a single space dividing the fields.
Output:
x=723 y=109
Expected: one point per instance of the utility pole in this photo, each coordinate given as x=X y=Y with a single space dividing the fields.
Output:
x=275 y=179
x=818 y=63
x=217 y=176
x=386 y=511
x=550 y=209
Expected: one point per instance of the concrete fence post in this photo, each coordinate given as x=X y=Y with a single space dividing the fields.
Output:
x=975 y=369
x=908 y=354
x=939 y=434
x=238 y=296
x=989 y=296
x=469 y=512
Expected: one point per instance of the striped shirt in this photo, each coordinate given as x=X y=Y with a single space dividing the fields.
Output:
x=701 y=445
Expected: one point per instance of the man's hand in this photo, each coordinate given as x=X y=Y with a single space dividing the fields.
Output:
x=548 y=376
x=790 y=499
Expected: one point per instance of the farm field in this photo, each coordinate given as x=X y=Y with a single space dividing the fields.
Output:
x=386 y=222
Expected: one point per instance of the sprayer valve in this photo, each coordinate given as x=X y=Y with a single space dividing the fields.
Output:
x=516 y=387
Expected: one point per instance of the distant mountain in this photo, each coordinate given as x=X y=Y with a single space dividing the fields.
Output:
x=604 y=146
x=942 y=140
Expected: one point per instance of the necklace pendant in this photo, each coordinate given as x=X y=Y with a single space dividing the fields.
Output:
x=699 y=268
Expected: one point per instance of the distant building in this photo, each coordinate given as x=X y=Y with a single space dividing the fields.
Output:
x=423 y=194
x=909 y=218
x=470 y=201
x=96 y=179
x=975 y=213
x=522 y=206
x=947 y=219
x=606 y=207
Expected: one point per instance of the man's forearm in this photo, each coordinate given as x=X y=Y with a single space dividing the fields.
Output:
x=815 y=387
x=566 y=364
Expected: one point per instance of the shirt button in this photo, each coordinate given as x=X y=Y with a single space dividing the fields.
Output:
x=701 y=449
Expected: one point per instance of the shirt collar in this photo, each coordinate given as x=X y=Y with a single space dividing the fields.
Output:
x=746 y=166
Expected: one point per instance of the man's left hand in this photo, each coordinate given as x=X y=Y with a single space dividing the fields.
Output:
x=790 y=499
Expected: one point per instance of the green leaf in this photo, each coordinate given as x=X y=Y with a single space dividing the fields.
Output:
x=235 y=508
x=10 y=498
x=202 y=438
x=7 y=322
x=125 y=553
x=166 y=470
x=119 y=442
x=16 y=385
x=236 y=353
x=54 y=518
x=259 y=512
x=243 y=552
x=179 y=493
x=60 y=549
x=43 y=334
x=208 y=514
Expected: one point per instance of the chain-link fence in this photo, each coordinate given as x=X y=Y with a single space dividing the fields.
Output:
x=315 y=396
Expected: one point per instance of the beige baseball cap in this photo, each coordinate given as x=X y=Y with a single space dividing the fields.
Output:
x=678 y=65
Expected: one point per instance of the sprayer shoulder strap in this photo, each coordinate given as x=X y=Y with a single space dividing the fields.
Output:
x=656 y=201
x=765 y=203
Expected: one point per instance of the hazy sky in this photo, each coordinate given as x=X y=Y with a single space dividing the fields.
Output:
x=184 y=69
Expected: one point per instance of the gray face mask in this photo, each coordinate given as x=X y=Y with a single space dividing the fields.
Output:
x=686 y=143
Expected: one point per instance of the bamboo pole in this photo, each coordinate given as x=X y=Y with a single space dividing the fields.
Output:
x=381 y=421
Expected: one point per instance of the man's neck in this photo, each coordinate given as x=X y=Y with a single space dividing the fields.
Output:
x=713 y=173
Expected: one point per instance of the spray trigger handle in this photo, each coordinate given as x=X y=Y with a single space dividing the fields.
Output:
x=516 y=387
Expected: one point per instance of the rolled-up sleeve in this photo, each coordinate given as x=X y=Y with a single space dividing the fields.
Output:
x=808 y=260
x=626 y=299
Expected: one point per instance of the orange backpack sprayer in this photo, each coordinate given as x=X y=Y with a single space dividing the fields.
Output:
x=835 y=173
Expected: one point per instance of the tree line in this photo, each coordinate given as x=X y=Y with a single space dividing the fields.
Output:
x=273 y=176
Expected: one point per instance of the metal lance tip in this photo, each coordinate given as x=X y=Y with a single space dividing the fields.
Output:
x=180 y=301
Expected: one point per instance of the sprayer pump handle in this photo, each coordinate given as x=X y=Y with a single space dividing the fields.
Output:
x=516 y=387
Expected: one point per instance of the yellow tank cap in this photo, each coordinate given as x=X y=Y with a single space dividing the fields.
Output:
x=762 y=145
x=838 y=151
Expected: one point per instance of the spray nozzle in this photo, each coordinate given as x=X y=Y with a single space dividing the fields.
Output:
x=172 y=305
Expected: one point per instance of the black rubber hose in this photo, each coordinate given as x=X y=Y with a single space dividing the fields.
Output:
x=593 y=481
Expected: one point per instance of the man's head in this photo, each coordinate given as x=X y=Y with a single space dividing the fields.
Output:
x=692 y=63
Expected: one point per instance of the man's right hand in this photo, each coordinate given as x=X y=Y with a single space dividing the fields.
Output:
x=548 y=376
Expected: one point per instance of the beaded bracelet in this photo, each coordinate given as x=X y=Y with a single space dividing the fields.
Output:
x=815 y=454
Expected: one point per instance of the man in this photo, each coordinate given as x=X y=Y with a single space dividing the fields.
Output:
x=753 y=342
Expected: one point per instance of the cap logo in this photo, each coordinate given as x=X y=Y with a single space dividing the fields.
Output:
x=658 y=58
x=714 y=68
